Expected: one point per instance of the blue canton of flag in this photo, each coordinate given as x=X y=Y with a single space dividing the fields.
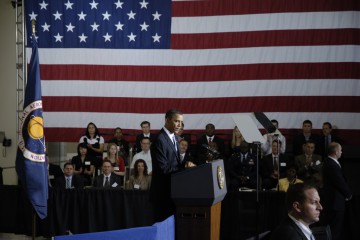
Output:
x=31 y=166
x=141 y=24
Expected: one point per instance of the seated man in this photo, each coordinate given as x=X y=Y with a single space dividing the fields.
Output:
x=242 y=168
x=303 y=204
x=144 y=154
x=273 y=166
x=69 y=180
x=54 y=171
x=308 y=164
x=107 y=179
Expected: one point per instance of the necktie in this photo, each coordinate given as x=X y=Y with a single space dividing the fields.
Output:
x=68 y=183
x=107 y=183
x=276 y=163
x=210 y=140
x=174 y=142
x=326 y=144
x=182 y=157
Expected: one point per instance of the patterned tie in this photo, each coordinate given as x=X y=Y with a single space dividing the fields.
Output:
x=68 y=183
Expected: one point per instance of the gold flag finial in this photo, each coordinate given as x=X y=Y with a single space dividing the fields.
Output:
x=33 y=23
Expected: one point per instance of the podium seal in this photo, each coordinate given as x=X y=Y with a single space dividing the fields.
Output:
x=220 y=177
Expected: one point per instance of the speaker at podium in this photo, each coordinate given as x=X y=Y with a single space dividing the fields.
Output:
x=197 y=193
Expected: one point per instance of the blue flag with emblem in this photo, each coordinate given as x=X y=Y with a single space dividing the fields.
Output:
x=31 y=166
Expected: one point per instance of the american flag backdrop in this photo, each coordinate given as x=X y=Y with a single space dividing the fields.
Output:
x=119 y=62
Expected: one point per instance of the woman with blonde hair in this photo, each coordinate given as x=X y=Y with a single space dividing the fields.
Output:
x=116 y=161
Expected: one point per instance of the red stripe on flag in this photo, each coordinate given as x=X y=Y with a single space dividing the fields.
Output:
x=202 y=73
x=266 y=38
x=203 y=105
x=231 y=7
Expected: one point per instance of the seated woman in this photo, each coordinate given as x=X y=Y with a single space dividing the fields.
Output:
x=141 y=180
x=84 y=164
x=116 y=161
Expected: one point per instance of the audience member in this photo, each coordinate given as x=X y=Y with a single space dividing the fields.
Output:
x=107 y=179
x=122 y=144
x=336 y=192
x=69 y=180
x=94 y=143
x=270 y=137
x=145 y=127
x=273 y=167
x=181 y=135
x=144 y=154
x=166 y=160
x=236 y=139
x=185 y=155
x=209 y=137
x=242 y=168
x=301 y=139
x=303 y=204
x=54 y=171
x=116 y=161
x=309 y=164
x=83 y=163
x=325 y=139
x=141 y=180
x=290 y=178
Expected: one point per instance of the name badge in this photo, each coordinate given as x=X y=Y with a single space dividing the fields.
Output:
x=114 y=184
x=116 y=168
x=118 y=148
x=283 y=164
x=87 y=163
x=136 y=186
x=51 y=176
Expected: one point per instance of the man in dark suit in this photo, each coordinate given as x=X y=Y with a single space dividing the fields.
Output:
x=336 y=191
x=165 y=161
x=273 y=166
x=325 y=139
x=210 y=137
x=107 y=179
x=69 y=180
x=303 y=204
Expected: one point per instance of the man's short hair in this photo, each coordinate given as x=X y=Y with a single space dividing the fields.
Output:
x=310 y=141
x=118 y=128
x=333 y=148
x=106 y=161
x=329 y=124
x=147 y=138
x=170 y=113
x=68 y=164
x=296 y=193
x=144 y=122
x=307 y=122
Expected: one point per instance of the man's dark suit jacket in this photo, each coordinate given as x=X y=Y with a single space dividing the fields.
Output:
x=203 y=140
x=288 y=230
x=76 y=182
x=165 y=161
x=54 y=172
x=99 y=180
x=336 y=189
x=267 y=167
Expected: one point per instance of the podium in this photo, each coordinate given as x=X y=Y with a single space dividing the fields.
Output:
x=197 y=193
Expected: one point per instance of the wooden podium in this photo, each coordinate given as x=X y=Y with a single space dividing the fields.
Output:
x=197 y=193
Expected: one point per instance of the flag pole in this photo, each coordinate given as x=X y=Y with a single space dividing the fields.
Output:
x=33 y=220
